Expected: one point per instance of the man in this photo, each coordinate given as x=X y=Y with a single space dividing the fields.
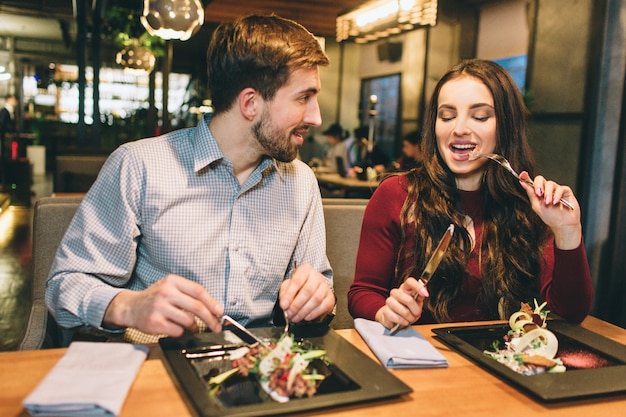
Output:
x=7 y=125
x=211 y=220
x=378 y=158
x=337 y=152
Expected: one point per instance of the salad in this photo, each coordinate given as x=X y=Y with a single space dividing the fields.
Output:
x=282 y=371
x=529 y=347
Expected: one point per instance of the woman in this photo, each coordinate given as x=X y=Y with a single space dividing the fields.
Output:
x=411 y=154
x=512 y=242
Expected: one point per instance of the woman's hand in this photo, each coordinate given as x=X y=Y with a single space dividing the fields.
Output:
x=544 y=197
x=403 y=307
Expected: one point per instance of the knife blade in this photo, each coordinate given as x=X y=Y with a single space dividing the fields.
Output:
x=246 y=331
x=433 y=263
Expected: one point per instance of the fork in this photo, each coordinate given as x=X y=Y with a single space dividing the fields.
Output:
x=473 y=155
x=286 y=329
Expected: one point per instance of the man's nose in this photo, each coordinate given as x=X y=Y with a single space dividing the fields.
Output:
x=313 y=116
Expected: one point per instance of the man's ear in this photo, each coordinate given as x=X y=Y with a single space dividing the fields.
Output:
x=249 y=103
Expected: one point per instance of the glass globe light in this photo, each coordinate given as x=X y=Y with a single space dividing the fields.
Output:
x=172 y=19
x=136 y=57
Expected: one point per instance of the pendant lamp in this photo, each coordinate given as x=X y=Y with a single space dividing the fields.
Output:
x=172 y=19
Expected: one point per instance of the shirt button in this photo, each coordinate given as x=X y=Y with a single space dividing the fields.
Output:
x=233 y=302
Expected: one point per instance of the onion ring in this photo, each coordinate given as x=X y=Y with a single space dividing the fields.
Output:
x=519 y=319
x=541 y=342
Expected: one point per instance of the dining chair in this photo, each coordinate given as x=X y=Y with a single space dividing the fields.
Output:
x=343 y=231
x=51 y=217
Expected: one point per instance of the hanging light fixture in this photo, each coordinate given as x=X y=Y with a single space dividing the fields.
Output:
x=172 y=19
x=136 y=57
x=4 y=76
x=378 y=19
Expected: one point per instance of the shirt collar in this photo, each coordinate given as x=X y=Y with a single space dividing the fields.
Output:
x=207 y=151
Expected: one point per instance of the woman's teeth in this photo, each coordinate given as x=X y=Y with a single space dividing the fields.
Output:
x=462 y=148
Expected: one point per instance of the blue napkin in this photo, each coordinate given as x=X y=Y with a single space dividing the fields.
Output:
x=405 y=349
x=90 y=380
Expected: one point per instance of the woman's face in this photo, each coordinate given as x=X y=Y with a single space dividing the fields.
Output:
x=465 y=121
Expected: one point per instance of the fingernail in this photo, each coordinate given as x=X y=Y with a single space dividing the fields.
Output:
x=423 y=292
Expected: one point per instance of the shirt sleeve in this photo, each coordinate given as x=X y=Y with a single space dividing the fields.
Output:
x=565 y=282
x=98 y=252
x=378 y=248
x=311 y=245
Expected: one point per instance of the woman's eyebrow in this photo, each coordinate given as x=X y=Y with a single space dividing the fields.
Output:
x=473 y=106
x=477 y=105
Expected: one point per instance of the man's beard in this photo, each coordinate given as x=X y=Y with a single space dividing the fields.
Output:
x=273 y=142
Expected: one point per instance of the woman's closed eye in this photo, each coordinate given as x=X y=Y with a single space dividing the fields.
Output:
x=482 y=113
x=446 y=115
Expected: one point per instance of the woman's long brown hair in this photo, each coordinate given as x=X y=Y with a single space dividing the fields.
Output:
x=512 y=232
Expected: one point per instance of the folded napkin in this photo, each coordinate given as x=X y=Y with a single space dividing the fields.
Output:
x=404 y=349
x=91 y=379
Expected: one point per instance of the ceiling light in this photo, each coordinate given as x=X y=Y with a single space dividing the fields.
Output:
x=376 y=19
x=172 y=19
x=135 y=57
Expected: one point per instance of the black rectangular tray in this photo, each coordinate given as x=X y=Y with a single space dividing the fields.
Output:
x=579 y=383
x=357 y=378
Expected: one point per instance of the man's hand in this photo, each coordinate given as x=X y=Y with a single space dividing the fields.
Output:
x=306 y=295
x=168 y=307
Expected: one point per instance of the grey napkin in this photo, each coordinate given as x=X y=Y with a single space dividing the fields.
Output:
x=405 y=349
x=91 y=379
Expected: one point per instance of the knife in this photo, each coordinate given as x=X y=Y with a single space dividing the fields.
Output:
x=246 y=331
x=433 y=263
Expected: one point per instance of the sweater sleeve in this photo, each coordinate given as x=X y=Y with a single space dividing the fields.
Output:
x=565 y=282
x=378 y=248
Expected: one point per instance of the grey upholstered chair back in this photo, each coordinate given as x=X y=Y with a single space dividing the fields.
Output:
x=51 y=217
x=343 y=229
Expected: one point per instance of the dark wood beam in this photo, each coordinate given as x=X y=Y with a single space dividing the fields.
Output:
x=317 y=16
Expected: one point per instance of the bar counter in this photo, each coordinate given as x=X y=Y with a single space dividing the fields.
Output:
x=461 y=389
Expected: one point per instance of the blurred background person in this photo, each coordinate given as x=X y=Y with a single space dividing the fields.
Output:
x=411 y=153
x=359 y=156
x=312 y=152
x=7 y=125
x=336 y=137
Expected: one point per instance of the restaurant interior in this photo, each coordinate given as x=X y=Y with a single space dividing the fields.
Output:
x=80 y=96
